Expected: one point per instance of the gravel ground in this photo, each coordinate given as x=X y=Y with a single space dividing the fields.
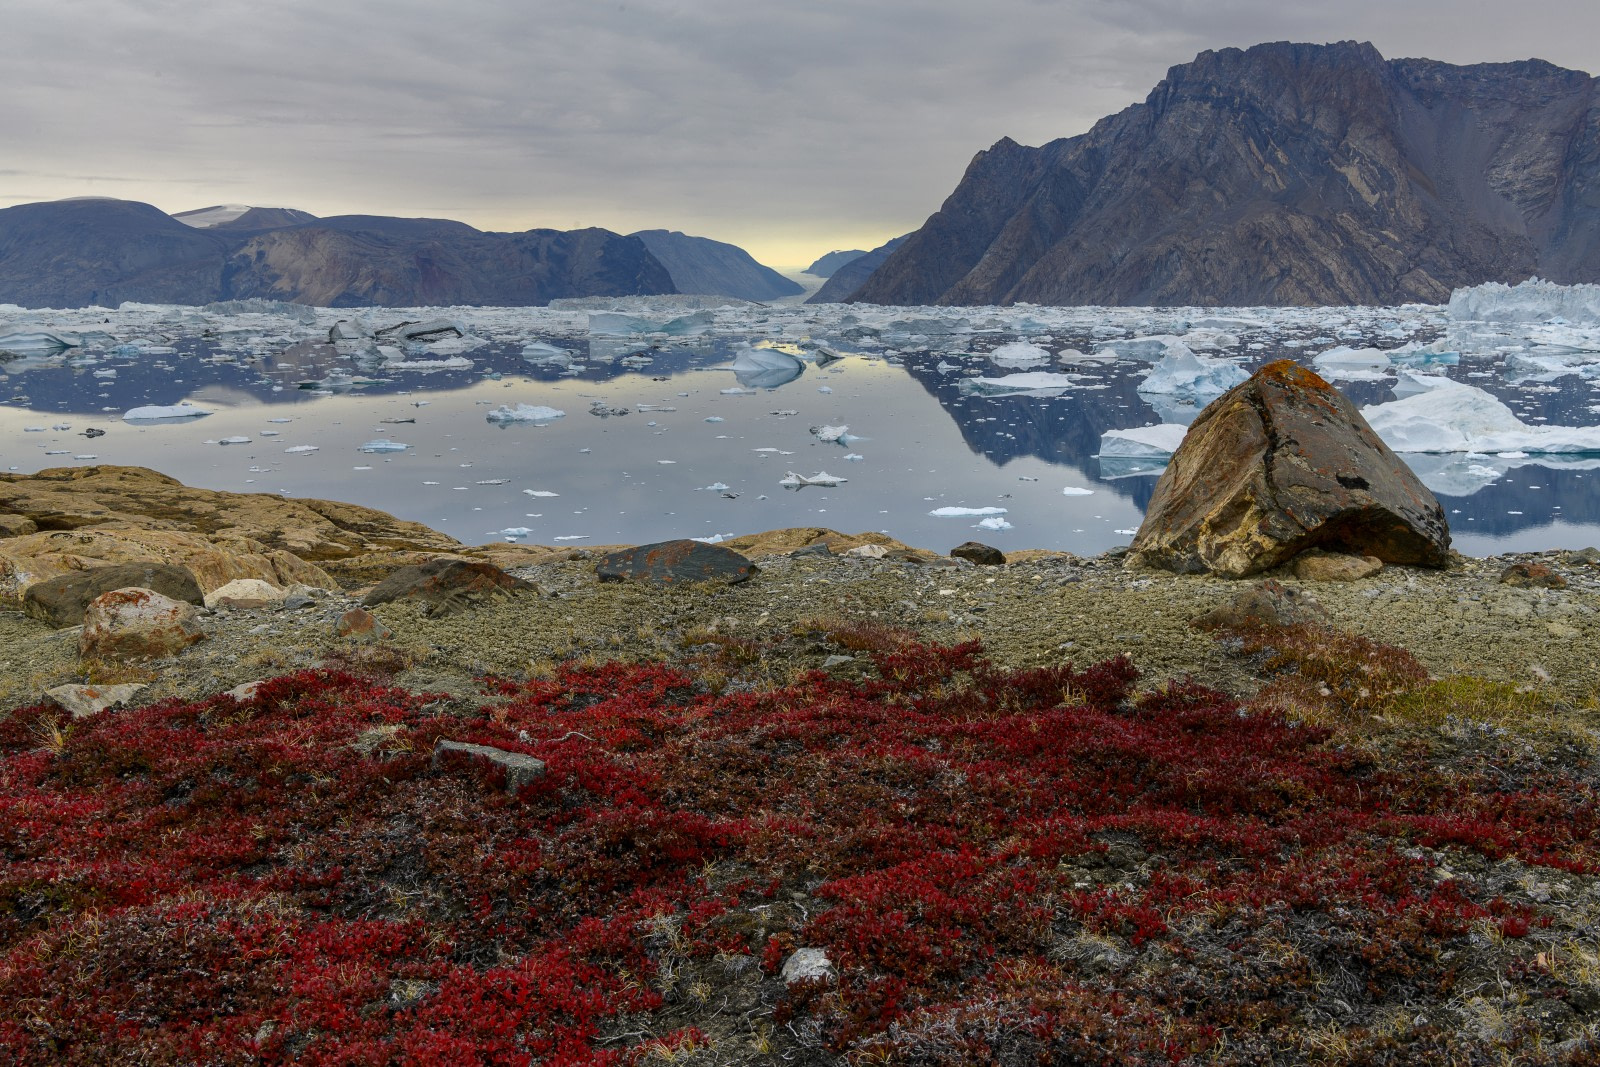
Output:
x=1047 y=609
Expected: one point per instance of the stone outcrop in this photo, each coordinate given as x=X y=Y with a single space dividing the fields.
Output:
x=61 y=601
x=1283 y=174
x=1278 y=465
x=519 y=768
x=135 y=624
x=93 y=516
x=675 y=563
x=445 y=586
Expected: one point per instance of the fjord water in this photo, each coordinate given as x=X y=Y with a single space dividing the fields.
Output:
x=702 y=451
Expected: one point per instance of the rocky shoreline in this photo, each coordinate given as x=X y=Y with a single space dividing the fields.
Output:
x=1040 y=608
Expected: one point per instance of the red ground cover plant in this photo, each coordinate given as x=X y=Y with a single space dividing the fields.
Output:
x=1004 y=866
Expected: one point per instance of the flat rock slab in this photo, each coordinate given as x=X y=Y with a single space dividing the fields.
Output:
x=675 y=562
x=61 y=601
x=84 y=701
x=445 y=586
x=1278 y=465
x=520 y=769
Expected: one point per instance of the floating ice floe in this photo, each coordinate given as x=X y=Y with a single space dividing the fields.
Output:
x=829 y=434
x=792 y=480
x=1143 y=442
x=1182 y=373
x=383 y=444
x=301 y=449
x=994 y=522
x=234 y=441
x=1347 y=364
x=1454 y=417
x=537 y=352
x=525 y=413
x=617 y=324
x=449 y=363
x=1077 y=490
x=539 y=493
x=1019 y=354
x=1038 y=383
x=170 y=411
x=38 y=342
x=960 y=513
x=765 y=368
x=1151 y=348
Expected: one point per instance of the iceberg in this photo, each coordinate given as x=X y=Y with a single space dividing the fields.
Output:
x=617 y=324
x=383 y=444
x=1038 y=383
x=524 y=413
x=994 y=522
x=171 y=411
x=829 y=434
x=1143 y=442
x=424 y=332
x=792 y=480
x=1529 y=301
x=1453 y=417
x=1019 y=354
x=1353 y=364
x=1182 y=373
x=541 y=354
x=765 y=368
x=961 y=513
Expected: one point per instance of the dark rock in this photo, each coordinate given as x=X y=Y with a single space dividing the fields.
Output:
x=1532 y=576
x=674 y=562
x=979 y=553
x=826 y=266
x=61 y=601
x=361 y=626
x=1283 y=174
x=849 y=276
x=446 y=585
x=1267 y=605
x=519 y=769
x=1278 y=465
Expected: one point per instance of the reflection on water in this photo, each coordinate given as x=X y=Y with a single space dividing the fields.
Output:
x=653 y=428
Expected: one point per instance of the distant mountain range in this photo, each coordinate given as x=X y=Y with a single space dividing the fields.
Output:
x=72 y=253
x=824 y=266
x=1282 y=174
x=849 y=276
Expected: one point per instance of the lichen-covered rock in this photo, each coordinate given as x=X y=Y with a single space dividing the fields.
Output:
x=519 y=768
x=1319 y=566
x=1266 y=605
x=446 y=585
x=361 y=626
x=675 y=562
x=1532 y=576
x=84 y=701
x=245 y=593
x=61 y=601
x=1278 y=465
x=137 y=623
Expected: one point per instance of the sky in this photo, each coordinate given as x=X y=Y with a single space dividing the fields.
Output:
x=788 y=128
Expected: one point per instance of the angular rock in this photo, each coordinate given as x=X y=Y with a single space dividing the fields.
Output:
x=61 y=601
x=675 y=562
x=137 y=624
x=520 y=769
x=806 y=963
x=1318 y=566
x=446 y=585
x=1267 y=605
x=17 y=525
x=979 y=553
x=1279 y=465
x=361 y=626
x=245 y=593
x=1532 y=576
x=86 y=700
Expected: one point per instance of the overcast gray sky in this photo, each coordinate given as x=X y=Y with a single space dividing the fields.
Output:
x=788 y=128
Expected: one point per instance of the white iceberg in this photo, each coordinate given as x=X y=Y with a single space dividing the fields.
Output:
x=1182 y=373
x=765 y=368
x=1019 y=354
x=1143 y=442
x=1454 y=417
x=959 y=513
x=829 y=434
x=1530 y=301
x=38 y=342
x=537 y=352
x=1348 y=364
x=1037 y=383
x=617 y=324
x=157 y=411
x=792 y=480
x=524 y=413
x=1077 y=490
x=383 y=444
x=994 y=522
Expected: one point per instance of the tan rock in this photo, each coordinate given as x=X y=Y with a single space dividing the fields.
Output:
x=137 y=624
x=1317 y=566
x=16 y=525
x=1278 y=465
x=245 y=593
x=215 y=561
x=84 y=701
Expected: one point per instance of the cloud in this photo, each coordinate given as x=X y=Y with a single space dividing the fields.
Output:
x=732 y=118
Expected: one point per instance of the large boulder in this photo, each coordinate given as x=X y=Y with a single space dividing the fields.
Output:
x=446 y=585
x=133 y=624
x=675 y=562
x=1278 y=465
x=61 y=601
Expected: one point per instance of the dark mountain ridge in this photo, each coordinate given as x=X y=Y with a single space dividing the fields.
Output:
x=701 y=265
x=1283 y=174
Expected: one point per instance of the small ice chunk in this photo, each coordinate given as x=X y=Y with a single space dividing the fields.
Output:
x=524 y=413
x=958 y=513
x=994 y=522
x=1019 y=354
x=300 y=449
x=824 y=389
x=1182 y=373
x=1143 y=442
x=1039 y=383
x=157 y=411
x=382 y=444
x=539 y=492
x=1077 y=490
x=829 y=434
x=792 y=480
x=234 y=441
